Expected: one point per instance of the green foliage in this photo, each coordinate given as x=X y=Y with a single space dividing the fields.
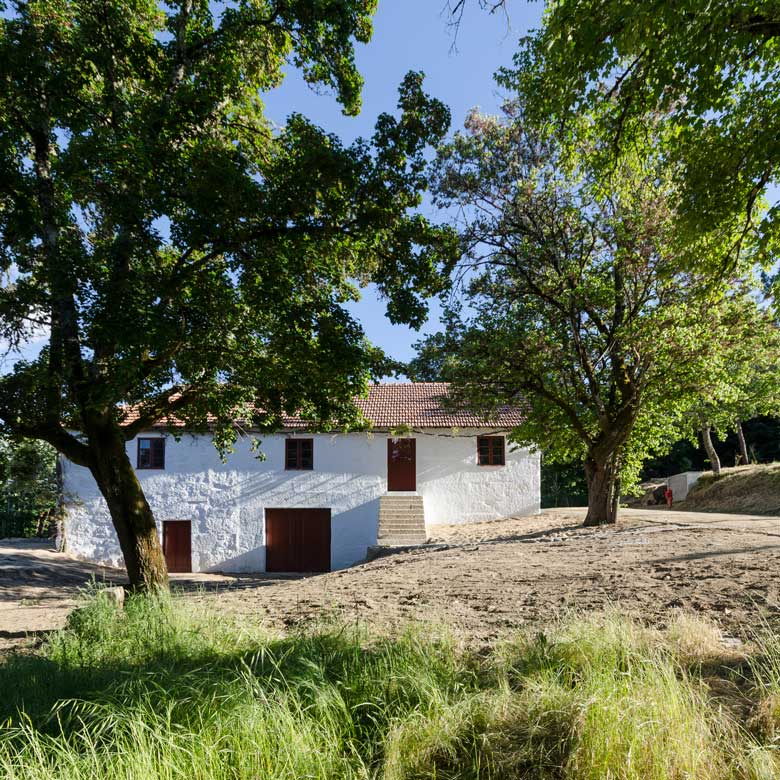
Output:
x=159 y=690
x=28 y=486
x=562 y=484
x=763 y=443
x=186 y=256
x=575 y=303
x=710 y=68
x=751 y=356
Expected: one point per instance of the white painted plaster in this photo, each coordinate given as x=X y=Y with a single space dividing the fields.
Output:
x=226 y=501
x=681 y=484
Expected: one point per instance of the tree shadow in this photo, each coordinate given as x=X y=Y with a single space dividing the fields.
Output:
x=529 y=536
x=705 y=554
x=183 y=583
x=51 y=692
x=20 y=578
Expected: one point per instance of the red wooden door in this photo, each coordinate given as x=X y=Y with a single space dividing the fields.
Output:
x=297 y=540
x=177 y=545
x=402 y=464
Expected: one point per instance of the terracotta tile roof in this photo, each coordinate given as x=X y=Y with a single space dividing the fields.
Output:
x=416 y=404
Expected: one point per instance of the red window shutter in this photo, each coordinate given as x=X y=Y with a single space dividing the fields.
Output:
x=299 y=454
x=491 y=451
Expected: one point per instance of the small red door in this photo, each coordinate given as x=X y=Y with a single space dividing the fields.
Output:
x=177 y=545
x=401 y=464
x=297 y=540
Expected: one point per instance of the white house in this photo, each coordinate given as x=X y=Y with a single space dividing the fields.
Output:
x=317 y=501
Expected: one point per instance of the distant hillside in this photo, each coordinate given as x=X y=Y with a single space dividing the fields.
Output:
x=749 y=490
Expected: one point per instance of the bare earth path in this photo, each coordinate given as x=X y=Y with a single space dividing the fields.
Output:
x=482 y=580
x=39 y=587
x=494 y=577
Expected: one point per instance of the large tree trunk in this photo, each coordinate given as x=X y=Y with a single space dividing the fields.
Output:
x=130 y=511
x=106 y=456
x=742 y=445
x=603 y=492
x=709 y=448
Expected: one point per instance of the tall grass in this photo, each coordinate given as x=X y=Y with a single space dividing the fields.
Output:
x=160 y=691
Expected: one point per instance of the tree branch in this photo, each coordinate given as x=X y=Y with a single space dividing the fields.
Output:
x=163 y=405
x=63 y=441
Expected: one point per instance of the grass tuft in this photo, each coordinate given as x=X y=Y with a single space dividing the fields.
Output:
x=160 y=690
x=694 y=641
x=752 y=490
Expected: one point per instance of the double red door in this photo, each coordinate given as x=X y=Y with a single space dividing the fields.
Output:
x=297 y=540
x=401 y=464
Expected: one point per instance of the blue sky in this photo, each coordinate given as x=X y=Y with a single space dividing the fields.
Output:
x=415 y=35
x=408 y=35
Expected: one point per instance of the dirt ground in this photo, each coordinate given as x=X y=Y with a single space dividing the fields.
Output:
x=480 y=581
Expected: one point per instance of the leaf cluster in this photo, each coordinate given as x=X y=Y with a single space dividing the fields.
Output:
x=709 y=68
x=185 y=256
x=750 y=351
x=27 y=475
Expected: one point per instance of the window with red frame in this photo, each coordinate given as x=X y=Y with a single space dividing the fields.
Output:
x=151 y=453
x=490 y=451
x=299 y=454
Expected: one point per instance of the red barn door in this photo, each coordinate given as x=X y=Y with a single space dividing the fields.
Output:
x=297 y=540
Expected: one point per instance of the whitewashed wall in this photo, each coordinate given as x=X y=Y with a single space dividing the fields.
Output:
x=226 y=501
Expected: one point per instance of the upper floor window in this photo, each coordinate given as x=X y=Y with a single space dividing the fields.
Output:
x=299 y=454
x=490 y=450
x=151 y=453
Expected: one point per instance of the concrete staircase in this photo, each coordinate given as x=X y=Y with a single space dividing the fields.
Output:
x=401 y=520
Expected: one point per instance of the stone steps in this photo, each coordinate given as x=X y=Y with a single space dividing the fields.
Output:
x=394 y=539
x=394 y=512
x=393 y=519
x=397 y=537
x=401 y=520
x=401 y=541
x=401 y=530
x=393 y=522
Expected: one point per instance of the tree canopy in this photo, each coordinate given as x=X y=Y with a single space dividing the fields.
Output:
x=186 y=258
x=575 y=304
x=711 y=68
x=748 y=387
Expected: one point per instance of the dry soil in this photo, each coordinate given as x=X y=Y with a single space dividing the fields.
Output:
x=479 y=581
x=486 y=579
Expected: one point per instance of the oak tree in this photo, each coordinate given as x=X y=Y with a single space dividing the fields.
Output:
x=184 y=256
x=574 y=305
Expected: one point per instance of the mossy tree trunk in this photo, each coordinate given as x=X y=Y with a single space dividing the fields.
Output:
x=603 y=480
